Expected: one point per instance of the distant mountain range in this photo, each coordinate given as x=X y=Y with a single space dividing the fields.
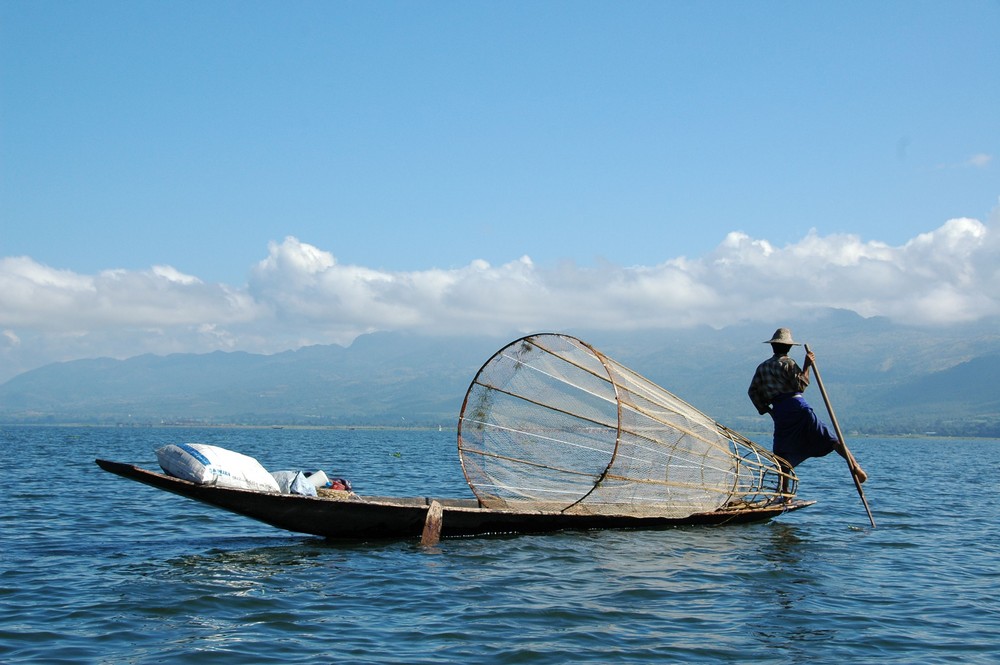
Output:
x=882 y=378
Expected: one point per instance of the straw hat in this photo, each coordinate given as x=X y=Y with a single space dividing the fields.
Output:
x=782 y=336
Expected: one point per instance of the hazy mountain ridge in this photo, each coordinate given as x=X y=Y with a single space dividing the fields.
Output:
x=882 y=378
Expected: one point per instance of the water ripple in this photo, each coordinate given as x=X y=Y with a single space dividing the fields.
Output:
x=97 y=570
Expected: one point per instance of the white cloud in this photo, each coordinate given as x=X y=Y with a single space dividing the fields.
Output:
x=300 y=294
x=43 y=299
x=171 y=274
x=9 y=339
x=978 y=161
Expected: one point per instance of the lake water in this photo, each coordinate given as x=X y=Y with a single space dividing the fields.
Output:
x=98 y=569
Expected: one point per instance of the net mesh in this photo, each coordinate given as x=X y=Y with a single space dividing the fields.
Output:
x=550 y=423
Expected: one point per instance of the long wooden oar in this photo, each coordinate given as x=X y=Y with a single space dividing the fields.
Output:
x=851 y=463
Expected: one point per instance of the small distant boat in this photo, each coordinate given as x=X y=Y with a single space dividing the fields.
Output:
x=553 y=435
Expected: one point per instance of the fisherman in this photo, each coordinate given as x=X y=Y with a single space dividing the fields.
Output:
x=776 y=389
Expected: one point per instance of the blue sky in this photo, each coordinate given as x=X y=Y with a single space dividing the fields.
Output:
x=280 y=160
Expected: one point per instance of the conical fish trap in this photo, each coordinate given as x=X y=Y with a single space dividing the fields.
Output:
x=550 y=423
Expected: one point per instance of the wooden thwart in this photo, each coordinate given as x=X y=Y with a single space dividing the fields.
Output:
x=432 y=525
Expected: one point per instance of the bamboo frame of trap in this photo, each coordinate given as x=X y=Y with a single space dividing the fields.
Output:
x=551 y=423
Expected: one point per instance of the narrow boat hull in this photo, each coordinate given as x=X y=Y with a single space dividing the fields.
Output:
x=369 y=518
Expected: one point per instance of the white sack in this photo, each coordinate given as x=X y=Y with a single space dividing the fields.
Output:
x=211 y=465
x=294 y=482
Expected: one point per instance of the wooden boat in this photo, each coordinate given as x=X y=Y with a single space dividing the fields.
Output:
x=552 y=435
x=344 y=516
